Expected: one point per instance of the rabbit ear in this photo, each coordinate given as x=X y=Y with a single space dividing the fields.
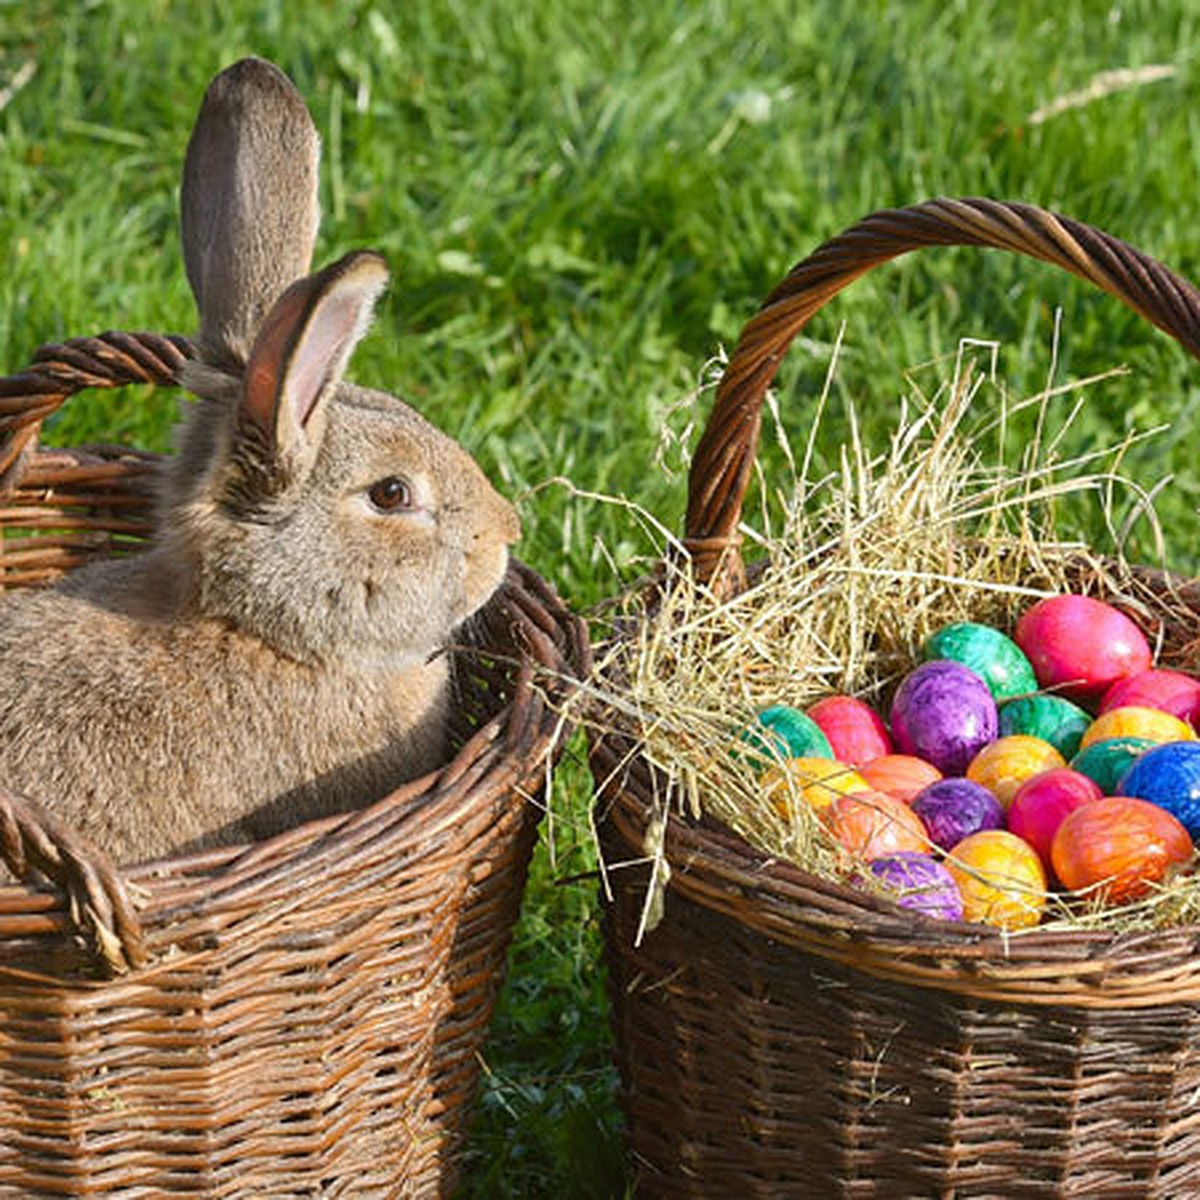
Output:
x=302 y=350
x=249 y=202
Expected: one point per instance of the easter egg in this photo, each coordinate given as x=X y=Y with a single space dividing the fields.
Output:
x=1043 y=802
x=855 y=731
x=992 y=655
x=920 y=883
x=1000 y=878
x=1054 y=719
x=1080 y=646
x=943 y=712
x=1118 y=845
x=1135 y=721
x=872 y=824
x=1107 y=760
x=781 y=732
x=1169 y=691
x=1004 y=765
x=900 y=775
x=952 y=809
x=1168 y=776
x=815 y=781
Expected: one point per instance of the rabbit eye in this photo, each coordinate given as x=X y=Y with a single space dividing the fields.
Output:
x=390 y=494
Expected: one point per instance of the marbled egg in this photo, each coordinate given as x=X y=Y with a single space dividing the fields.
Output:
x=1107 y=760
x=1135 y=721
x=944 y=713
x=1169 y=691
x=1054 y=719
x=855 y=731
x=1042 y=803
x=817 y=782
x=953 y=809
x=1000 y=878
x=1168 y=776
x=872 y=824
x=900 y=775
x=920 y=883
x=1081 y=646
x=781 y=732
x=1005 y=764
x=992 y=655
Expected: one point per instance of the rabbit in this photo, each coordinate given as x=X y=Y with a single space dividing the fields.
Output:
x=280 y=650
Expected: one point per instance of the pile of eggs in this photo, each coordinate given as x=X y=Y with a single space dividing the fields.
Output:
x=1057 y=759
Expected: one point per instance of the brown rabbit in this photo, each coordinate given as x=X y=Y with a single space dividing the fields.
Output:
x=280 y=650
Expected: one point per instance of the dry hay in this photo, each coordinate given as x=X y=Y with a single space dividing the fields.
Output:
x=869 y=561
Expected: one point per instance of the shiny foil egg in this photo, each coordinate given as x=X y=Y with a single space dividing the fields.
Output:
x=944 y=713
x=1168 y=776
x=855 y=731
x=1116 y=848
x=1169 y=691
x=900 y=775
x=873 y=824
x=1042 y=803
x=953 y=809
x=920 y=883
x=1005 y=764
x=992 y=655
x=1079 y=646
x=1000 y=878
x=1054 y=719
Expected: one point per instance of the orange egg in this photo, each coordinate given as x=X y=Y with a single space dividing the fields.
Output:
x=1135 y=721
x=1008 y=762
x=816 y=781
x=899 y=775
x=1118 y=845
x=872 y=824
x=1001 y=879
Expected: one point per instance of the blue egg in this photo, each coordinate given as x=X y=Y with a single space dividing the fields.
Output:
x=1169 y=776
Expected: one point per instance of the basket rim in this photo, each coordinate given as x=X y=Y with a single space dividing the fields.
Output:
x=136 y=914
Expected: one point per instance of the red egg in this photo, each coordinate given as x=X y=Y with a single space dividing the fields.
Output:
x=1168 y=691
x=1118 y=845
x=872 y=824
x=899 y=775
x=854 y=729
x=1080 y=646
x=1042 y=803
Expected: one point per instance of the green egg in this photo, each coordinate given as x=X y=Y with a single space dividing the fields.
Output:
x=1054 y=719
x=781 y=732
x=989 y=653
x=1105 y=761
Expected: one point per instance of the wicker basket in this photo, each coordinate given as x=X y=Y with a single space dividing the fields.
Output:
x=298 y=1018
x=780 y=1035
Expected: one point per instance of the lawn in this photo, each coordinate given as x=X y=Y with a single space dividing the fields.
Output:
x=582 y=202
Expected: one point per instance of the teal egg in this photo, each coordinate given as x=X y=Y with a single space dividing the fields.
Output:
x=781 y=732
x=1105 y=761
x=989 y=653
x=1054 y=719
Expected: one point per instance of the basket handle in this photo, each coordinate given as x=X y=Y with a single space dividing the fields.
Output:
x=58 y=371
x=724 y=457
x=100 y=902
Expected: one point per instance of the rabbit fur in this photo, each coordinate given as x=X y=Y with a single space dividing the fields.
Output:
x=280 y=650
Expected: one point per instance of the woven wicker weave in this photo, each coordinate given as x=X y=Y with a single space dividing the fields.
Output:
x=300 y=1018
x=780 y=1035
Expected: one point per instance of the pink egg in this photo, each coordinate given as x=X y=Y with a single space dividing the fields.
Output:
x=1080 y=646
x=854 y=729
x=1169 y=691
x=1041 y=804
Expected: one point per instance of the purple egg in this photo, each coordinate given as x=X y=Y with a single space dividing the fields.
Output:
x=944 y=713
x=954 y=808
x=920 y=883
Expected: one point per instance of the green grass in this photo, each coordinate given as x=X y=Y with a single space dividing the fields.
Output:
x=581 y=202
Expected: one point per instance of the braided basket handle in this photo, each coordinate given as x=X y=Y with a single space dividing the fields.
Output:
x=100 y=902
x=58 y=371
x=724 y=458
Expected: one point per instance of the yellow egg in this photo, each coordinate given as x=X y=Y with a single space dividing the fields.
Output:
x=1135 y=721
x=1001 y=879
x=818 y=781
x=1003 y=765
